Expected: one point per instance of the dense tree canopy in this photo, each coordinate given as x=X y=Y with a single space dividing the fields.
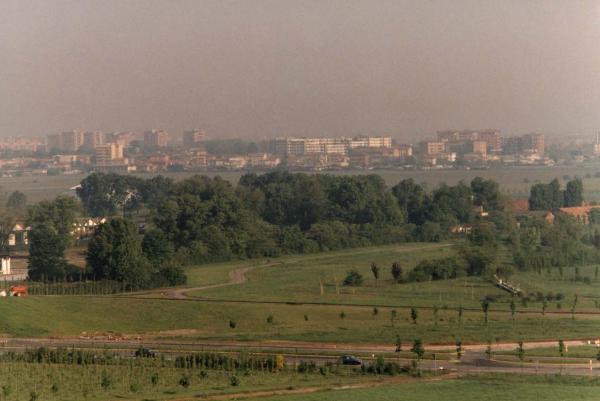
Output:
x=115 y=253
x=17 y=201
x=205 y=216
x=202 y=219
x=436 y=212
x=47 y=253
x=282 y=198
x=7 y=222
x=486 y=193
x=157 y=248
x=59 y=213
x=411 y=199
x=550 y=197
x=574 y=193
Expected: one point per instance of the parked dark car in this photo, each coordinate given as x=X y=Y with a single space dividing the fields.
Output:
x=145 y=353
x=350 y=360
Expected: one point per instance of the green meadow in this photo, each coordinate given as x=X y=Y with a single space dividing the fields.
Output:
x=472 y=388
x=282 y=300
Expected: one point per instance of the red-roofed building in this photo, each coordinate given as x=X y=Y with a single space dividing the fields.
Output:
x=581 y=213
x=521 y=205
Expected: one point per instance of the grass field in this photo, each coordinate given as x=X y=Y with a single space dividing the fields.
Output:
x=514 y=181
x=299 y=279
x=583 y=351
x=71 y=316
x=474 y=388
x=288 y=289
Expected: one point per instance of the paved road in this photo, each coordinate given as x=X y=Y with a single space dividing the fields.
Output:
x=473 y=361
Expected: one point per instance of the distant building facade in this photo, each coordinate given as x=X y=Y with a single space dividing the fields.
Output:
x=91 y=139
x=156 y=138
x=66 y=142
x=193 y=138
x=303 y=146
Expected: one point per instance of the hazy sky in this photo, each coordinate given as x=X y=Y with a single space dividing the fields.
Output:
x=270 y=68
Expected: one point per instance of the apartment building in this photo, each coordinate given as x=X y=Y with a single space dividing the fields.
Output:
x=479 y=147
x=526 y=144
x=301 y=146
x=91 y=139
x=107 y=153
x=432 y=147
x=156 y=138
x=67 y=142
x=193 y=138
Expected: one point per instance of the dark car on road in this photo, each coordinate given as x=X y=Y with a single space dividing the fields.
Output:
x=145 y=353
x=350 y=360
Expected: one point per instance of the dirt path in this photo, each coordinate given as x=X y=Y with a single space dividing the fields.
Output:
x=237 y=276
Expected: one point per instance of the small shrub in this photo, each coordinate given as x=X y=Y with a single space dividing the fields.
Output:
x=232 y=324
x=105 y=381
x=353 y=279
x=184 y=381
x=234 y=380
x=307 y=367
x=270 y=319
x=154 y=379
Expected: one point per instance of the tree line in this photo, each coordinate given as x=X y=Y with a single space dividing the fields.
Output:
x=208 y=219
x=202 y=219
x=551 y=197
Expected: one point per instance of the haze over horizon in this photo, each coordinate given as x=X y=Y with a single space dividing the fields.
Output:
x=270 y=68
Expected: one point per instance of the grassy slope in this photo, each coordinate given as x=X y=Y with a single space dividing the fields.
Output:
x=498 y=388
x=295 y=278
x=70 y=316
x=553 y=282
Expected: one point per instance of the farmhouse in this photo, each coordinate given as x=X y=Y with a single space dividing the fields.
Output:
x=581 y=213
x=85 y=227
x=18 y=235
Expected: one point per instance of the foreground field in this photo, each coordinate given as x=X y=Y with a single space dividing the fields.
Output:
x=151 y=381
x=33 y=381
x=473 y=388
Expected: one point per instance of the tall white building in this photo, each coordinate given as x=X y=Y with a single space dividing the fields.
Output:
x=301 y=146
